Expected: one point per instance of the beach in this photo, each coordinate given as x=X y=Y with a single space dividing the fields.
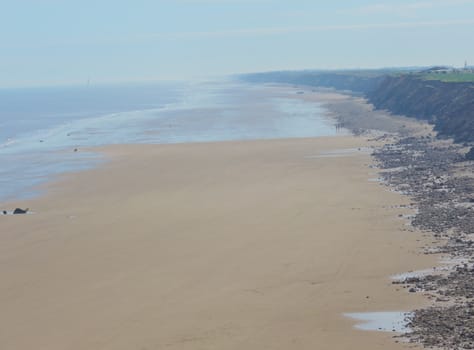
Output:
x=237 y=175
x=261 y=244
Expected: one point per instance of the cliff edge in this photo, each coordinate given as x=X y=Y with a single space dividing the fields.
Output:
x=447 y=105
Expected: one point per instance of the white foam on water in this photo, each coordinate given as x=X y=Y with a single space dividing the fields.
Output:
x=44 y=141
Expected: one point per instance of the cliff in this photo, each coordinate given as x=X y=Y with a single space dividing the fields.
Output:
x=348 y=81
x=448 y=105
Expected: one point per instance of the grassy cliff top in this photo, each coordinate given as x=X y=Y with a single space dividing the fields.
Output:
x=450 y=77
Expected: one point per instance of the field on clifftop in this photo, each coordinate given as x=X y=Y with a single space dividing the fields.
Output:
x=450 y=77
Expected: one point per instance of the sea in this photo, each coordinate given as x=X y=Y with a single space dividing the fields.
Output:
x=45 y=132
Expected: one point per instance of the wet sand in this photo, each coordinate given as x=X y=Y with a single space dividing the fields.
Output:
x=232 y=245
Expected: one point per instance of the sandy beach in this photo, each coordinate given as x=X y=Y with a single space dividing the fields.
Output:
x=232 y=245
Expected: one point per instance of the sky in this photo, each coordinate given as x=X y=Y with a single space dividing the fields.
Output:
x=51 y=42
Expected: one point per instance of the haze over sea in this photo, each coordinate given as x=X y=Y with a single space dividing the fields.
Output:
x=41 y=127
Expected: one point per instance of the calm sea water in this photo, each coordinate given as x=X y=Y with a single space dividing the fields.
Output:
x=41 y=127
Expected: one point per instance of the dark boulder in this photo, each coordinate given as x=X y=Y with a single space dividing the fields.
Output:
x=20 y=211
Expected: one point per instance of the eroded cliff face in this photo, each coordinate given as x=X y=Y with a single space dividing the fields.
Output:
x=449 y=106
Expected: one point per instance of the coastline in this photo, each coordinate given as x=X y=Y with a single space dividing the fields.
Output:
x=213 y=245
x=205 y=112
x=437 y=175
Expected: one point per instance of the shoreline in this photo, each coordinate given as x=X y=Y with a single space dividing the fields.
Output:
x=441 y=182
x=438 y=295
x=439 y=179
x=233 y=111
x=216 y=198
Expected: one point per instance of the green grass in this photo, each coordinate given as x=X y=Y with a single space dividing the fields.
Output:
x=460 y=77
x=372 y=73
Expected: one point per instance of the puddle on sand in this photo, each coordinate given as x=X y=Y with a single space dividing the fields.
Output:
x=446 y=265
x=415 y=274
x=346 y=152
x=391 y=321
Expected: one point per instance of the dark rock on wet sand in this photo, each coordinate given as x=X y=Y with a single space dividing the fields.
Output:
x=20 y=211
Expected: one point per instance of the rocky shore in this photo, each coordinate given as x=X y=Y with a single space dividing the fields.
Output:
x=436 y=175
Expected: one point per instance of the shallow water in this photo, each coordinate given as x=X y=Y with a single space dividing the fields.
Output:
x=445 y=266
x=346 y=152
x=381 y=321
x=41 y=128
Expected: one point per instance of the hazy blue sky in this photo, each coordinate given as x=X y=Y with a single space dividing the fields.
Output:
x=62 y=41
